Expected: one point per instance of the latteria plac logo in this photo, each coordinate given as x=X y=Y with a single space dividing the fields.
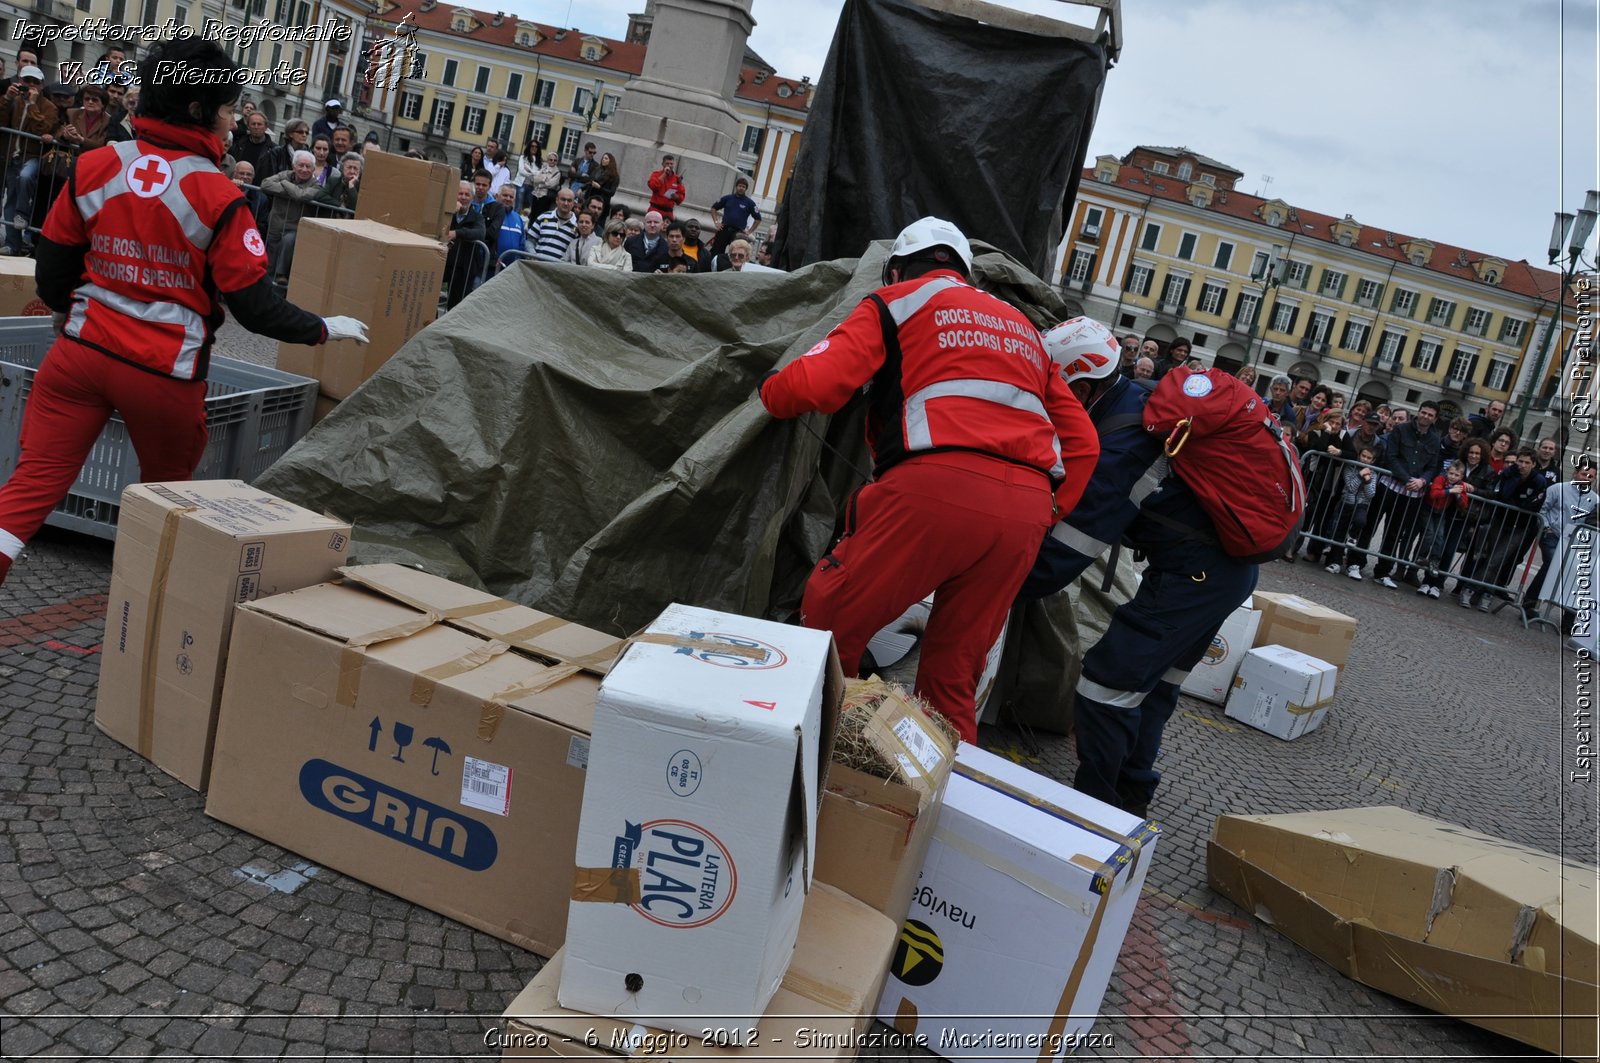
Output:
x=756 y=655
x=687 y=876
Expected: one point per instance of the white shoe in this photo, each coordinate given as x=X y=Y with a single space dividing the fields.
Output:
x=1422 y=591
x=1354 y=572
x=1385 y=581
x=1434 y=592
x=1334 y=568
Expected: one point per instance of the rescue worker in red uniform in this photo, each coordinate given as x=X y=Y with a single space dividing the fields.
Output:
x=135 y=259
x=978 y=446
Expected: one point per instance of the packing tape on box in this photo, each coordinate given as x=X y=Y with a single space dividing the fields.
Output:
x=421 y=622
x=1128 y=846
x=523 y=639
x=351 y=660
x=815 y=989
x=1316 y=706
x=1058 y=1023
x=607 y=885
x=355 y=574
x=425 y=681
x=156 y=602
x=1038 y=883
x=880 y=728
x=684 y=642
x=905 y=1017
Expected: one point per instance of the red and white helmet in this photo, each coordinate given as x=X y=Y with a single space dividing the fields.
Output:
x=1084 y=349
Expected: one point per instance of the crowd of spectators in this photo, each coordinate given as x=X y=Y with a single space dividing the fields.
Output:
x=1422 y=501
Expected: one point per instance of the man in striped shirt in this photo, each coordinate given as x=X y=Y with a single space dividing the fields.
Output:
x=555 y=229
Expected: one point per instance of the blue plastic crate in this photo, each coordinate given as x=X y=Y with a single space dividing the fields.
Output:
x=254 y=415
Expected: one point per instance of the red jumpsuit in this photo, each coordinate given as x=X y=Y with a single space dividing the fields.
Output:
x=978 y=448
x=137 y=252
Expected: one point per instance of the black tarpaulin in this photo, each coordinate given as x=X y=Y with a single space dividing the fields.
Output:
x=920 y=112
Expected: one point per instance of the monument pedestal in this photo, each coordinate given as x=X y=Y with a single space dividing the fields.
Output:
x=681 y=105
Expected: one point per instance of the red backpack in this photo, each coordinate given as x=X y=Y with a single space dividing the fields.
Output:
x=1235 y=456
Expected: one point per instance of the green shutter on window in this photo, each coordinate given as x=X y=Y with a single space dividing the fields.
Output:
x=1344 y=279
x=1294 y=317
x=1377 y=296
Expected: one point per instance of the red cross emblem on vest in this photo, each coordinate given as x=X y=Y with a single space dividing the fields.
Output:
x=149 y=176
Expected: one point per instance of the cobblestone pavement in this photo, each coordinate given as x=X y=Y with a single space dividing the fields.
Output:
x=133 y=926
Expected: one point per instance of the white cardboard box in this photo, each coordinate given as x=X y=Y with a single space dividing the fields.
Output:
x=1019 y=916
x=1281 y=691
x=1212 y=677
x=697 y=838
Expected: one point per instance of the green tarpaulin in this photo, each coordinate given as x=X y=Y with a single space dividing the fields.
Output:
x=589 y=443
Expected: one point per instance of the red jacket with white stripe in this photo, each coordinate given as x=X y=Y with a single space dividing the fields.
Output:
x=162 y=232
x=952 y=368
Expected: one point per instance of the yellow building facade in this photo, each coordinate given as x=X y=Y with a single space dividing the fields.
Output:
x=1161 y=243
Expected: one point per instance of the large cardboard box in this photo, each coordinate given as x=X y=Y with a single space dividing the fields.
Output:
x=186 y=554
x=1293 y=621
x=386 y=277
x=820 y=1012
x=424 y=737
x=697 y=843
x=1501 y=935
x=874 y=833
x=410 y=194
x=19 y=296
x=1021 y=911
x=1212 y=678
x=1281 y=691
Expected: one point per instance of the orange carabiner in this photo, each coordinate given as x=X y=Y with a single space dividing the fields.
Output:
x=1179 y=436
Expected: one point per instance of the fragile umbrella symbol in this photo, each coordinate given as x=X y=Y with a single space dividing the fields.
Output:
x=438 y=745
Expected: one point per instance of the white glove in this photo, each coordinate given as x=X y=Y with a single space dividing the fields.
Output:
x=345 y=328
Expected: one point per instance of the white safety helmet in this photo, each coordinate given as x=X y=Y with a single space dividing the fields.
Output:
x=1084 y=349
x=925 y=234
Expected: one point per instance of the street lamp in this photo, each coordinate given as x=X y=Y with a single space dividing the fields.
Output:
x=1579 y=230
x=1270 y=276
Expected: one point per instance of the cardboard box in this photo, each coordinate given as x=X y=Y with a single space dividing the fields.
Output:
x=874 y=833
x=186 y=554
x=1292 y=621
x=19 y=297
x=323 y=407
x=1212 y=678
x=1021 y=912
x=821 y=1011
x=1467 y=924
x=421 y=736
x=383 y=276
x=410 y=194
x=1281 y=691
x=698 y=837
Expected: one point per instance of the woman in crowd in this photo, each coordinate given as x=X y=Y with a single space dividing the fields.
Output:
x=88 y=126
x=546 y=179
x=1319 y=457
x=322 y=171
x=343 y=190
x=583 y=244
x=281 y=158
x=499 y=171
x=605 y=180
x=1247 y=375
x=527 y=166
x=610 y=254
x=473 y=164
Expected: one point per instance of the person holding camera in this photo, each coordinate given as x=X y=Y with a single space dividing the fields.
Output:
x=30 y=112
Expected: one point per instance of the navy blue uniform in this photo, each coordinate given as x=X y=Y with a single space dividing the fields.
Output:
x=1130 y=679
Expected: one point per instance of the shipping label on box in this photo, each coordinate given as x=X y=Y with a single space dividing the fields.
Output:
x=411 y=194
x=1020 y=912
x=874 y=833
x=1211 y=679
x=821 y=1012
x=386 y=277
x=1282 y=691
x=186 y=554
x=1293 y=621
x=366 y=727
x=698 y=836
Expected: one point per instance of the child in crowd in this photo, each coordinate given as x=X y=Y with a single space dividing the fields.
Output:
x=1448 y=497
x=1355 y=501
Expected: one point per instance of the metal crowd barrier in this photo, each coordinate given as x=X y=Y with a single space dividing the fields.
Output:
x=50 y=178
x=1488 y=548
x=465 y=269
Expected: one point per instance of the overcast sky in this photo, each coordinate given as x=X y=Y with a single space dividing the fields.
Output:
x=1463 y=121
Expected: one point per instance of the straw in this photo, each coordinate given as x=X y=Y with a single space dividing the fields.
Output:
x=862 y=699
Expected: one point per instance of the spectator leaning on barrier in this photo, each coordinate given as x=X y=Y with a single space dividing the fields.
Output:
x=29 y=112
x=1412 y=459
x=291 y=193
x=1448 y=498
x=1565 y=505
x=1129 y=684
x=89 y=126
x=1521 y=487
x=154 y=236
x=965 y=481
x=461 y=262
